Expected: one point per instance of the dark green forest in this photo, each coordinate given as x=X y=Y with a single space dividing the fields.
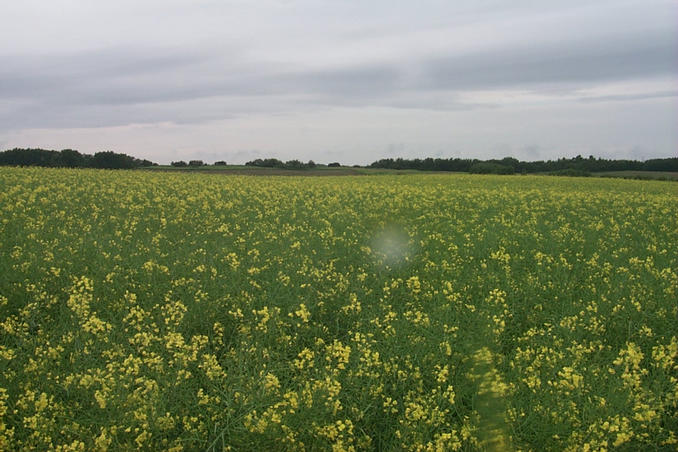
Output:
x=577 y=166
x=69 y=158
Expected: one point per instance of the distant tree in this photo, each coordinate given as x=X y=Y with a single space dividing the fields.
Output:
x=510 y=162
x=144 y=162
x=179 y=163
x=334 y=165
x=27 y=157
x=266 y=163
x=112 y=160
x=311 y=164
x=220 y=163
x=71 y=158
x=578 y=163
x=196 y=163
x=490 y=168
x=428 y=164
x=670 y=164
x=294 y=164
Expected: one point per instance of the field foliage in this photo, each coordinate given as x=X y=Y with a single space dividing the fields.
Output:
x=442 y=312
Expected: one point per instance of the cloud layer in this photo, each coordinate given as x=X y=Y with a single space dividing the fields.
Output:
x=294 y=79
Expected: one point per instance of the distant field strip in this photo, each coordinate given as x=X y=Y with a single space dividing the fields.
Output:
x=427 y=312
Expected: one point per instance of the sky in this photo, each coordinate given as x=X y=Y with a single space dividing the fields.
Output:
x=346 y=81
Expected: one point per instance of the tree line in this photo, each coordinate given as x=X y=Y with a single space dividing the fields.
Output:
x=577 y=166
x=69 y=158
x=275 y=163
x=509 y=165
x=195 y=163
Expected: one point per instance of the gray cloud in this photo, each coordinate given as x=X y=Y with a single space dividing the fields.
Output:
x=38 y=71
x=368 y=81
x=117 y=86
x=210 y=62
x=630 y=97
x=124 y=76
x=616 y=57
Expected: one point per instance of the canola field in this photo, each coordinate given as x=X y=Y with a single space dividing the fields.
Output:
x=419 y=312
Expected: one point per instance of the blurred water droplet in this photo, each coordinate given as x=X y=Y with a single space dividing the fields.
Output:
x=391 y=247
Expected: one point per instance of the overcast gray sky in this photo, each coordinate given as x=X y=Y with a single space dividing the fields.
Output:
x=348 y=81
